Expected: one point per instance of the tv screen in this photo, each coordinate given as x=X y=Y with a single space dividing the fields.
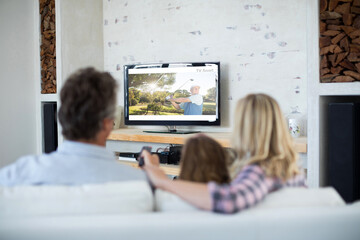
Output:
x=172 y=94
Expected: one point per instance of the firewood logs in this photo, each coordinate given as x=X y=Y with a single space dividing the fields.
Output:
x=339 y=40
x=48 y=46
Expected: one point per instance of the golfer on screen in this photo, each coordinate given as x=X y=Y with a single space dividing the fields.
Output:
x=192 y=105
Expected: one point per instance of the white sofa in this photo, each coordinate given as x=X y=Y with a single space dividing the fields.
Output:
x=128 y=210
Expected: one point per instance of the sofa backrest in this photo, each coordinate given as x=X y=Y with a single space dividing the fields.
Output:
x=168 y=202
x=134 y=197
x=290 y=197
x=110 y=198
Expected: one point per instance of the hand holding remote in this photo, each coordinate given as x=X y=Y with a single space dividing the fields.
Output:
x=141 y=158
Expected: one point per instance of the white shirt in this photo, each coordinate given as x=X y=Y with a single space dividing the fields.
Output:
x=197 y=99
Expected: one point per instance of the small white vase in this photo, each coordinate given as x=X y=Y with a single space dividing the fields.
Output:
x=294 y=122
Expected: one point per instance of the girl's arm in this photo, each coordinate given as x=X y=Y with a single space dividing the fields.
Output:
x=247 y=190
x=196 y=194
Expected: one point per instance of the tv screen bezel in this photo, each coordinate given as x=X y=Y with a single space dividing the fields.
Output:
x=173 y=122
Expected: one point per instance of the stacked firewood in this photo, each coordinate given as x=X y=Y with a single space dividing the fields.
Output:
x=47 y=48
x=339 y=40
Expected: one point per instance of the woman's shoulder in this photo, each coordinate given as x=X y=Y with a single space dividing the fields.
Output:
x=299 y=180
x=254 y=171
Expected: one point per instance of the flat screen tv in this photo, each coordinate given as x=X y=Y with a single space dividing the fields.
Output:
x=171 y=94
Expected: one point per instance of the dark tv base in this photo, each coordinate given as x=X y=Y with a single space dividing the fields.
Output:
x=173 y=131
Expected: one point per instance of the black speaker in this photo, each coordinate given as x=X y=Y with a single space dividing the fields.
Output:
x=343 y=149
x=50 y=127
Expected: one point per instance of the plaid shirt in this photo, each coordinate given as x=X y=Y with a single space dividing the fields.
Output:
x=249 y=188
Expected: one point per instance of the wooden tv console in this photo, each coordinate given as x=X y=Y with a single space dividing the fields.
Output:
x=224 y=138
x=137 y=135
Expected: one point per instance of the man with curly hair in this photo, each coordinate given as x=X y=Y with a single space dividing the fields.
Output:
x=88 y=102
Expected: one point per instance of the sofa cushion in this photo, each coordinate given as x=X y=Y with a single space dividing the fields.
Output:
x=109 y=198
x=283 y=198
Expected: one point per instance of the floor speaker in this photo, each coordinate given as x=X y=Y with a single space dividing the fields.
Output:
x=50 y=127
x=343 y=149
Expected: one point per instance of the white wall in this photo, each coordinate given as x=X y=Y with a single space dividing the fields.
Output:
x=79 y=39
x=261 y=45
x=17 y=80
x=81 y=35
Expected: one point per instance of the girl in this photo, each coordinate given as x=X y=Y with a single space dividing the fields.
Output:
x=266 y=161
x=203 y=160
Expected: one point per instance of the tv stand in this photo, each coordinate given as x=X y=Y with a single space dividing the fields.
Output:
x=128 y=135
x=172 y=130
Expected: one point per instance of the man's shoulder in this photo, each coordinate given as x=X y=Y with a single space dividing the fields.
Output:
x=25 y=160
x=19 y=171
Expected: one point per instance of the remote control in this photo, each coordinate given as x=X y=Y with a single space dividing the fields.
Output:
x=140 y=158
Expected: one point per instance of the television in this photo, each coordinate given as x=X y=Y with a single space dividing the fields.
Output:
x=171 y=94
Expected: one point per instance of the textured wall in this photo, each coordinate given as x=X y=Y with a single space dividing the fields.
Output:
x=261 y=44
x=81 y=35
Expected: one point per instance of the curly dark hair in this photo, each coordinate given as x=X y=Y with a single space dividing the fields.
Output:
x=87 y=97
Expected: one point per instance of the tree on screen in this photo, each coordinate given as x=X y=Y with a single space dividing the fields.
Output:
x=145 y=97
x=154 y=107
x=134 y=96
x=210 y=95
x=182 y=93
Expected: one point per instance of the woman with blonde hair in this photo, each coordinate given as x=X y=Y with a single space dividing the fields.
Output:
x=266 y=161
x=203 y=160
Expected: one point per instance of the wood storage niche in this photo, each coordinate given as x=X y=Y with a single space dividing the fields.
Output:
x=339 y=41
x=48 y=46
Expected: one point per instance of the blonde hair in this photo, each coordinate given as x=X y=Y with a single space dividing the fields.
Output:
x=202 y=160
x=261 y=137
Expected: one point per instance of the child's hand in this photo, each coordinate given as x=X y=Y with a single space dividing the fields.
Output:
x=150 y=159
x=152 y=168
